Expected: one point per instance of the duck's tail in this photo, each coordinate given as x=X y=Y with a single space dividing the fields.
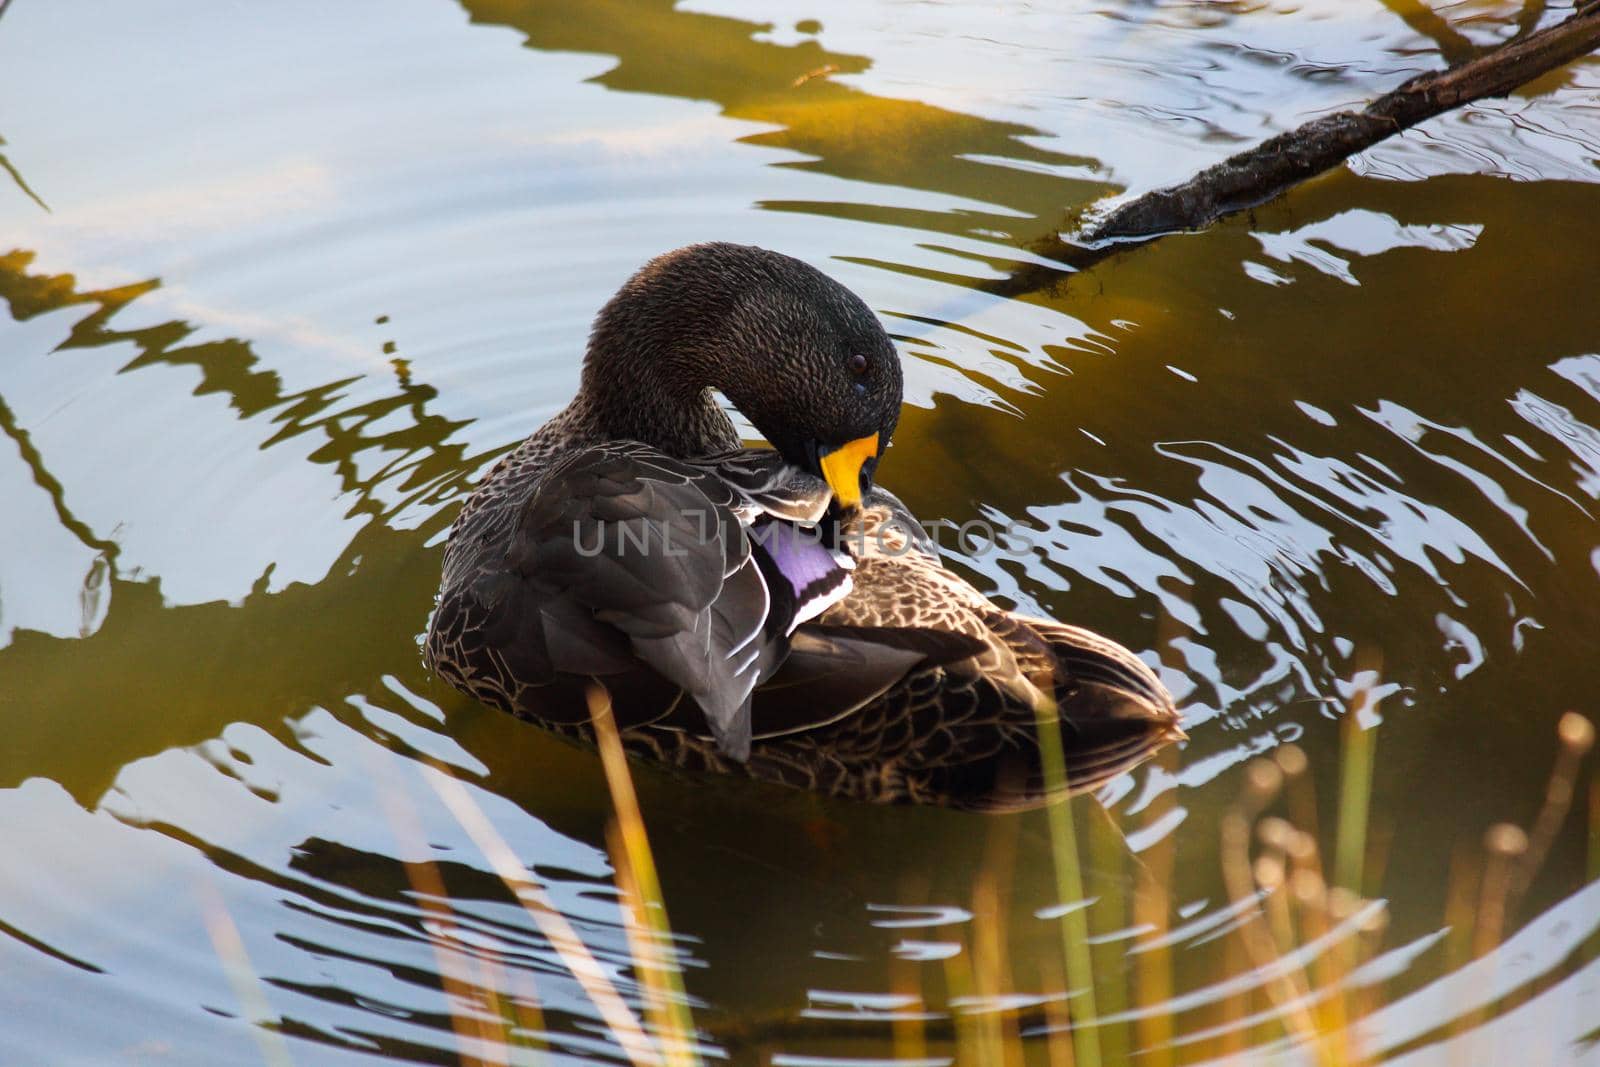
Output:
x=1110 y=709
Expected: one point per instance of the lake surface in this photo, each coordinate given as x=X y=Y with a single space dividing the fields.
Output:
x=284 y=279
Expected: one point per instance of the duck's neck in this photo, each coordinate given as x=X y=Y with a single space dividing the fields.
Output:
x=665 y=402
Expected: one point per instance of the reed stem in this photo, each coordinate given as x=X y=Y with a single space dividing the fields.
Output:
x=639 y=868
x=1069 y=887
x=1355 y=785
x=614 y=1011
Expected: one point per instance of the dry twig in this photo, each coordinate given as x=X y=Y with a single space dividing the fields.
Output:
x=1259 y=174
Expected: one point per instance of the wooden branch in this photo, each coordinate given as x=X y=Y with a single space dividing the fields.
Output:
x=1271 y=168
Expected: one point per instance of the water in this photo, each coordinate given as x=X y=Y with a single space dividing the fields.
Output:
x=283 y=280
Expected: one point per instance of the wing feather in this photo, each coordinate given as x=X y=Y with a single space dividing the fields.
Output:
x=653 y=549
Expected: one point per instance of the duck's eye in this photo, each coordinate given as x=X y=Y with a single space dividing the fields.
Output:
x=857 y=364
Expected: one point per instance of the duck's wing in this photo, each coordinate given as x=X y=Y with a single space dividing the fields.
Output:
x=624 y=554
x=632 y=539
x=835 y=671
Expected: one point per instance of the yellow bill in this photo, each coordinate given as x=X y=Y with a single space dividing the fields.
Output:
x=842 y=468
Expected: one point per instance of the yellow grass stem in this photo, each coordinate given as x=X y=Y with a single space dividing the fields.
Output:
x=988 y=963
x=642 y=943
x=615 y=1012
x=530 y=1016
x=496 y=1039
x=1152 y=908
x=969 y=1047
x=1263 y=781
x=1364 y=1001
x=1235 y=1007
x=252 y=997
x=520 y=1016
x=1506 y=844
x=1152 y=901
x=677 y=1027
x=1309 y=892
x=1576 y=736
x=1594 y=830
x=1271 y=875
x=433 y=901
x=1343 y=955
x=1058 y=1018
x=1593 y=948
x=1461 y=891
x=1107 y=850
x=991 y=904
x=1069 y=887
x=908 y=1029
x=1300 y=791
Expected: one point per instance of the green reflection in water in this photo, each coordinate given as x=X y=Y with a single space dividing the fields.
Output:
x=165 y=675
x=851 y=133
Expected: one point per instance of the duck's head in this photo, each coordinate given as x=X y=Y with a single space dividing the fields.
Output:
x=797 y=353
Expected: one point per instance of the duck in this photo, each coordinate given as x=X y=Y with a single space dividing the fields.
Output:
x=768 y=612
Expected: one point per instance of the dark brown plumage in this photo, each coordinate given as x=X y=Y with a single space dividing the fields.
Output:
x=743 y=620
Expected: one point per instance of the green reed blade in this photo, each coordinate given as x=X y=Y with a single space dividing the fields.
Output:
x=1069 y=885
